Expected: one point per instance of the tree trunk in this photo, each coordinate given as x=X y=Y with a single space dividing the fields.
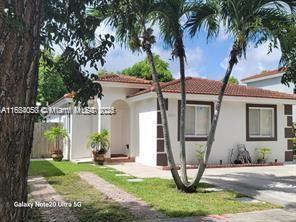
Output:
x=232 y=61
x=171 y=161
x=182 y=116
x=19 y=57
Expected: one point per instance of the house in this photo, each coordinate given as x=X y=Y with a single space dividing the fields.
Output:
x=251 y=116
x=271 y=80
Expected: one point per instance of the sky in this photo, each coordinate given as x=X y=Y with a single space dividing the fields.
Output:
x=206 y=59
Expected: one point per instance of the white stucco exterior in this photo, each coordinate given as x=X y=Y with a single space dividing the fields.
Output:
x=115 y=95
x=231 y=131
x=273 y=82
x=82 y=127
x=78 y=127
x=143 y=130
x=133 y=130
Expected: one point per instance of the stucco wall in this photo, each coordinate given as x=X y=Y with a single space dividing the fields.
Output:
x=82 y=127
x=111 y=96
x=231 y=130
x=275 y=85
x=143 y=131
x=120 y=128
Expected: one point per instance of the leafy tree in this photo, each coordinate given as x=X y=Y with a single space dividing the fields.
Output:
x=142 y=70
x=288 y=46
x=232 y=80
x=50 y=84
x=25 y=27
x=248 y=21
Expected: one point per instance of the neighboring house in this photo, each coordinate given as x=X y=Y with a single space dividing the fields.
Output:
x=271 y=80
x=251 y=116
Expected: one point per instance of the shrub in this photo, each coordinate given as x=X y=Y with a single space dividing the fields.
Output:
x=263 y=151
x=99 y=142
x=56 y=134
x=200 y=152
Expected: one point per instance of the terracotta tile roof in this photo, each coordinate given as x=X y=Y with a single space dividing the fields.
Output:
x=212 y=87
x=69 y=95
x=265 y=74
x=122 y=79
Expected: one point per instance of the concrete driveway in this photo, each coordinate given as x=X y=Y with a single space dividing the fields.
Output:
x=274 y=184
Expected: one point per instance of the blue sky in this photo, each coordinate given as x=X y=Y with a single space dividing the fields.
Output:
x=207 y=60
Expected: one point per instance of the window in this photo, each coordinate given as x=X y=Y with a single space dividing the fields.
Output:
x=261 y=122
x=198 y=120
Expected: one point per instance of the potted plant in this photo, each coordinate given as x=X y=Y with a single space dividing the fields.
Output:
x=56 y=135
x=200 y=152
x=99 y=143
x=263 y=152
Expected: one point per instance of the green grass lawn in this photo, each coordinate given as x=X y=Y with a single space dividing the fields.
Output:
x=159 y=193
x=94 y=206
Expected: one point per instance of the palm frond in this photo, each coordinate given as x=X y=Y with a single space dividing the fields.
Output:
x=204 y=15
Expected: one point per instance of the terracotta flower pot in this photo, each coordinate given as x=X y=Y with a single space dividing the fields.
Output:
x=98 y=158
x=57 y=155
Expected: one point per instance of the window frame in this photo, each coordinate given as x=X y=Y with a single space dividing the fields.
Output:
x=195 y=103
x=274 y=124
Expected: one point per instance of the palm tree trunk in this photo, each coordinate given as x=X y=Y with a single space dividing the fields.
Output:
x=19 y=58
x=171 y=161
x=182 y=120
x=232 y=61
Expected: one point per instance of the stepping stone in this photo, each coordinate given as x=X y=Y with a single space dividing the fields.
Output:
x=122 y=175
x=135 y=180
x=247 y=200
x=213 y=189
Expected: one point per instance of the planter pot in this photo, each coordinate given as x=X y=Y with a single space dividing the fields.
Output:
x=57 y=156
x=98 y=159
x=261 y=161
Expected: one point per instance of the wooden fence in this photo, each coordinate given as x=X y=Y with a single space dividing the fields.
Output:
x=41 y=146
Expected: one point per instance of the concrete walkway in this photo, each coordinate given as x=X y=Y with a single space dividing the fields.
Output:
x=274 y=184
x=43 y=192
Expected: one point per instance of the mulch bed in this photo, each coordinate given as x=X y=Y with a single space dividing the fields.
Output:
x=229 y=165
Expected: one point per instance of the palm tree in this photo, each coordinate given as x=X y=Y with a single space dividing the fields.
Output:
x=247 y=21
x=170 y=14
x=133 y=21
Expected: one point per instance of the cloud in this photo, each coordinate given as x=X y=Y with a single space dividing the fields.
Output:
x=256 y=61
x=119 y=58
x=222 y=35
x=104 y=28
x=194 y=58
